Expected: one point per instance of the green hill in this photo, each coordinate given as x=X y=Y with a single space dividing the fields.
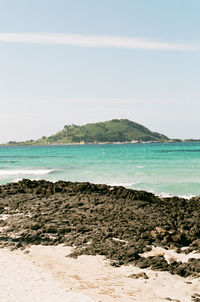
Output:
x=115 y=130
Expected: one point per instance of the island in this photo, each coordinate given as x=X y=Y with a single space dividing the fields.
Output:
x=113 y=131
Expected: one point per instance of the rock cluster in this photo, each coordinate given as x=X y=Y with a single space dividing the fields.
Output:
x=98 y=219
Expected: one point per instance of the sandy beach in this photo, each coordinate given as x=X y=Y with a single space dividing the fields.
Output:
x=99 y=151
x=82 y=242
x=44 y=273
x=22 y=280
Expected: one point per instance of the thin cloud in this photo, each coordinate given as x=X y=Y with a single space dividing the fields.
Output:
x=95 y=41
x=73 y=100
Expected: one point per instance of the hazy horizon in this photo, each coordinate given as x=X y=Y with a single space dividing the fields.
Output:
x=75 y=62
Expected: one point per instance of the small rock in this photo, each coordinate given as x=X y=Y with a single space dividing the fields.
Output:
x=139 y=275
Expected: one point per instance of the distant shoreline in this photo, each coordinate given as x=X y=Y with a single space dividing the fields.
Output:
x=106 y=143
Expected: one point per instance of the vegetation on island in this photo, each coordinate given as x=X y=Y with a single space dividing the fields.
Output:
x=122 y=130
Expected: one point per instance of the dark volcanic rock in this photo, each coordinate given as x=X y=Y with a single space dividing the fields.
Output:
x=98 y=219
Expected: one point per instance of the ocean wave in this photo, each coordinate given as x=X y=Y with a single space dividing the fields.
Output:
x=25 y=172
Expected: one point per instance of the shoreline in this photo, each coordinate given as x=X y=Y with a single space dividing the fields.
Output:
x=171 y=141
x=160 y=195
x=120 y=231
x=81 y=144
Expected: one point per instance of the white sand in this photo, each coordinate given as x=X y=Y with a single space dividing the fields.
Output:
x=23 y=281
x=45 y=274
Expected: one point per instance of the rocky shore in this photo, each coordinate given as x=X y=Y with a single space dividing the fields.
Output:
x=119 y=223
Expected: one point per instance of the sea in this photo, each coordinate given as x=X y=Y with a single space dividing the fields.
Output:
x=165 y=169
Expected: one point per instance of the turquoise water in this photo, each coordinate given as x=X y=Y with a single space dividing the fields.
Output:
x=162 y=168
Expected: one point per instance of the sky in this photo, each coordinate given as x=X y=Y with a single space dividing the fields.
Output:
x=76 y=62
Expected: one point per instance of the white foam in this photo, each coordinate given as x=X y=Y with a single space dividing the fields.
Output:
x=126 y=185
x=166 y=195
x=25 y=172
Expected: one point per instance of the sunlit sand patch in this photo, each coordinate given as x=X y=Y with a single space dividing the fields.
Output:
x=22 y=280
x=94 y=276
